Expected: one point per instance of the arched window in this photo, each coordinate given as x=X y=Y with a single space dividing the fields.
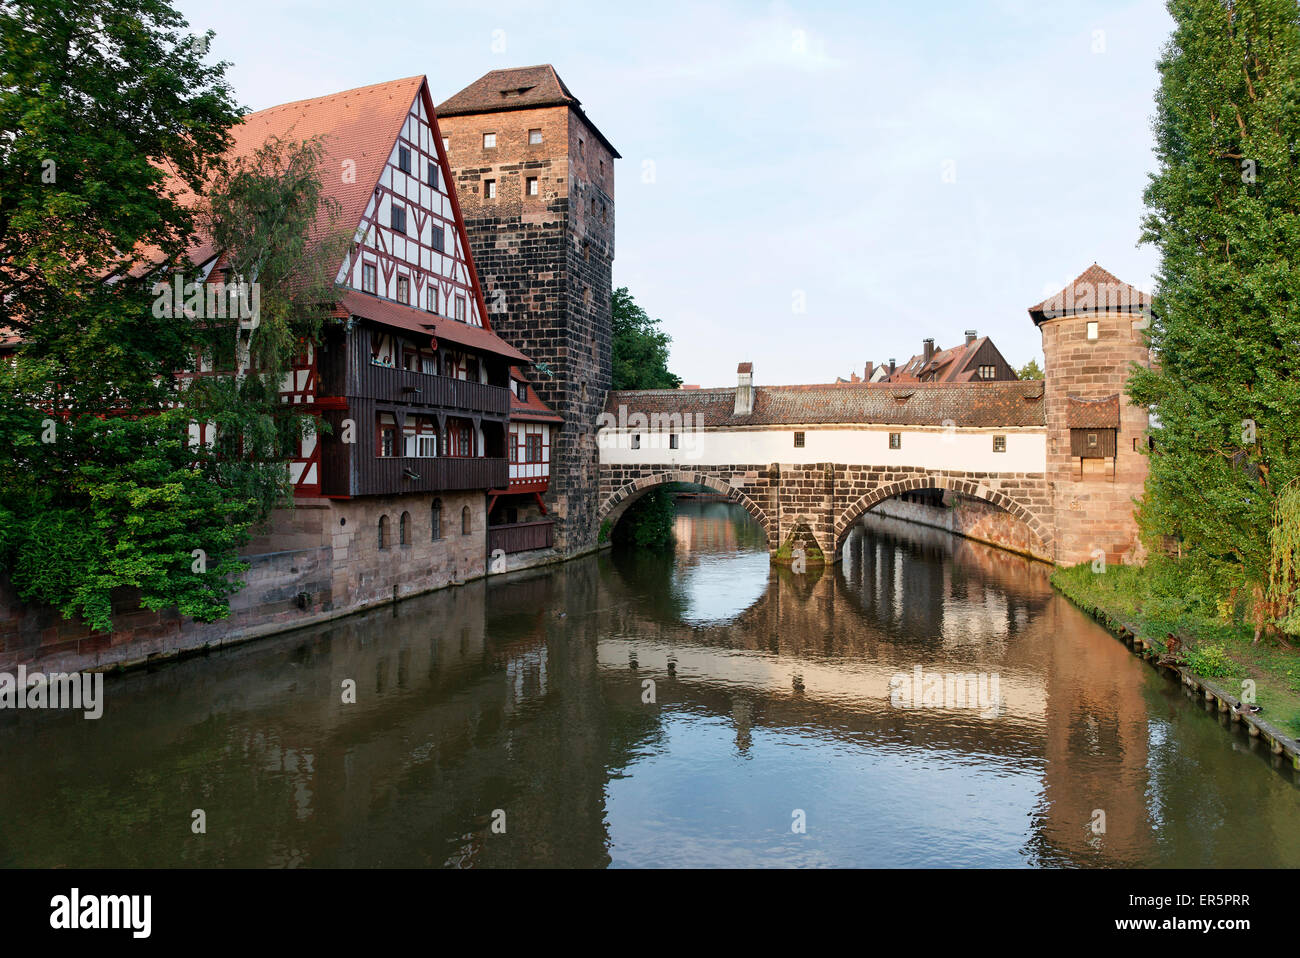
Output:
x=435 y=516
x=464 y=521
x=404 y=530
x=383 y=532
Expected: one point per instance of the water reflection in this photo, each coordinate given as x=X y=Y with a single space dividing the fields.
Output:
x=649 y=710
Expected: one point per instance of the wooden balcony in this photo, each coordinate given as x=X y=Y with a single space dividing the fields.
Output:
x=377 y=475
x=404 y=387
x=520 y=536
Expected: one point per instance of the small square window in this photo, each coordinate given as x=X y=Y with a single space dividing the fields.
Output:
x=999 y=443
x=798 y=440
x=672 y=441
x=433 y=174
x=1094 y=329
x=489 y=141
x=1092 y=440
x=404 y=159
x=398 y=218
x=369 y=277
x=636 y=440
x=534 y=137
x=895 y=440
x=531 y=183
x=490 y=189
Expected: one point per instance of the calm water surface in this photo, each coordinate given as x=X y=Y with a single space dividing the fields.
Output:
x=772 y=705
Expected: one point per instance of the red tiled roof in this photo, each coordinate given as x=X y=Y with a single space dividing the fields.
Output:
x=1093 y=413
x=532 y=408
x=388 y=313
x=1094 y=290
x=1013 y=403
x=945 y=366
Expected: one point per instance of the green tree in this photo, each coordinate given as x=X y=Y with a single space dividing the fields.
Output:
x=1224 y=211
x=640 y=348
x=1031 y=370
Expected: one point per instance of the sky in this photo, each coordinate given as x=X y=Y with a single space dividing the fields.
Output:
x=804 y=186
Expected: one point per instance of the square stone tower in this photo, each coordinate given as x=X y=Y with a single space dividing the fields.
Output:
x=1093 y=331
x=535 y=181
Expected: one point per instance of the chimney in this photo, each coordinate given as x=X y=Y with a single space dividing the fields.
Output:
x=891 y=369
x=744 y=389
x=971 y=336
x=866 y=372
x=853 y=378
x=927 y=347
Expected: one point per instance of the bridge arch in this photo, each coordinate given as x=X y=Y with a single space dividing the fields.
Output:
x=619 y=501
x=974 y=490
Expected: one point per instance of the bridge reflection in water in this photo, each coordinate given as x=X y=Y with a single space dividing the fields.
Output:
x=772 y=692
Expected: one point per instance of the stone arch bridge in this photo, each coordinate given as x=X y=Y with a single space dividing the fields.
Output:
x=807 y=461
x=821 y=501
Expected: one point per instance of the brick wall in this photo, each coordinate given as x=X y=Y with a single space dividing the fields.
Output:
x=545 y=263
x=325 y=550
x=1094 y=512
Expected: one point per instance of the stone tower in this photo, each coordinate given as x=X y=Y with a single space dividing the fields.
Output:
x=1093 y=330
x=535 y=181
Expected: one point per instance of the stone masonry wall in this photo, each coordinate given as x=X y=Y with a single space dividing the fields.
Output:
x=545 y=263
x=972 y=519
x=1095 y=511
x=327 y=562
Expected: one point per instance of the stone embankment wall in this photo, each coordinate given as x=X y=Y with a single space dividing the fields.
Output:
x=971 y=518
x=317 y=561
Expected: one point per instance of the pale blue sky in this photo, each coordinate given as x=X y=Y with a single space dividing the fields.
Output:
x=799 y=149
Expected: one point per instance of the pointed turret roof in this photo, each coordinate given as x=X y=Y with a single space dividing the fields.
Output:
x=1094 y=290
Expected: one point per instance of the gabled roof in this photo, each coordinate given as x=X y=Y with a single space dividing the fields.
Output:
x=517 y=88
x=1015 y=403
x=1093 y=413
x=532 y=408
x=1095 y=290
x=945 y=366
x=388 y=313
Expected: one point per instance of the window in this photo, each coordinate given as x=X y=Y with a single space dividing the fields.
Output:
x=490 y=189
x=435 y=520
x=387 y=438
x=1094 y=329
x=398 y=218
x=384 y=540
x=798 y=440
x=460 y=308
x=580 y=149
x=999 y=443
x=672 y=441
x=895 y=440
x=433 y=174
x=436 y=239
x=531 y=184
x=534 y=137
x=988 y=372
x=464 y=521
x=521 y=390
x=533 y=447
x=420 y=437
x=636 y=440
x=431 y=299
x=489 y=141
x=446 y=143
x=514 y=446
x=404 y=290
x=1092 y=440
x=369 y=277
x=404 y=529
x=404 y=159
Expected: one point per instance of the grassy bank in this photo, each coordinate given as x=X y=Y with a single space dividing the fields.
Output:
x=1219 y=649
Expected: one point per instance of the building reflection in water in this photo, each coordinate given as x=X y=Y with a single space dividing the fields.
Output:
x=632 y=709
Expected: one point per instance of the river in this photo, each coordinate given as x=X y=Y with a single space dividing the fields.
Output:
x=695 y=709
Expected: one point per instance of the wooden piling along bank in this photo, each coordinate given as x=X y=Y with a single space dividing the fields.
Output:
x=1280 y=744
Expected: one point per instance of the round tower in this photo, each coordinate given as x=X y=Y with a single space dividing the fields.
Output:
x=1093 y=331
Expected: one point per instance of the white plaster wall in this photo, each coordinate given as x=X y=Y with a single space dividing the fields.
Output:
x=970 y=450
